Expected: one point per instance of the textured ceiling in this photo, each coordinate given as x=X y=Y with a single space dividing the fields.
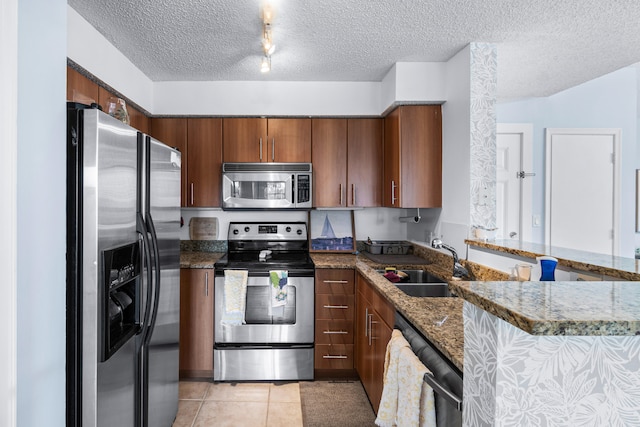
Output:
x=544 y=46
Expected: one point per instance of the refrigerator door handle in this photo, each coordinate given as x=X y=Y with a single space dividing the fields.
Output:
x=142 y=229
x=156 y=286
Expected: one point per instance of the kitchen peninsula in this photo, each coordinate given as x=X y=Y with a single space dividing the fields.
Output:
x=551 y=352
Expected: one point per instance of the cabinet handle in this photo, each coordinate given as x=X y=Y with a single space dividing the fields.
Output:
x=206 y=284
x=335 y=332
x=192 y=194
x=342 y=307
x=329 y=356
x=393 y=192
x=273 y=149
x=366 y=322
x=353 y=194
x=260 y=149
x=340 y=194
x=335 y=281
x=369 y=317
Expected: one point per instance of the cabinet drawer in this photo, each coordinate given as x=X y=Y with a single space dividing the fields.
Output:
x=335 y=281
x=339 y=356
x=335 y=307
x=334 y=332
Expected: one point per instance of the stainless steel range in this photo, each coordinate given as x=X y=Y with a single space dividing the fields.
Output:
x=273 y=337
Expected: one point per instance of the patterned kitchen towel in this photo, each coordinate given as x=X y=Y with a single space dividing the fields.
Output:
x=279 y=279
x=417 y=406
x=235 y=296
x=389 y=400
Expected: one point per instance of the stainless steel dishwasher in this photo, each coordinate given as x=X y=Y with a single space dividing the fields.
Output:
x=446 y=379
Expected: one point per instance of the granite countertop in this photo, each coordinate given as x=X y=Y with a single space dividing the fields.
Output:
x=613 y=266
x=559 y=308
x=197 y=259
x=424 y=313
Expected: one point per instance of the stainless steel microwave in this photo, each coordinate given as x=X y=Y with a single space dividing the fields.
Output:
x=267 y=185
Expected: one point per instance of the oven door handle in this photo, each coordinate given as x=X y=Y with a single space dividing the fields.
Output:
x=342 y=307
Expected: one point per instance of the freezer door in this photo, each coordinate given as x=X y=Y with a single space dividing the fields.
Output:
x=105 y=189
x=163 y=205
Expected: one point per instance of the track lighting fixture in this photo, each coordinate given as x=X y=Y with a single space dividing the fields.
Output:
x=267 y=38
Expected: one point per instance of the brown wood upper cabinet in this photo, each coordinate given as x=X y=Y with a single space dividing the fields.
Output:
x=266 y=140
x=173 y=132
x=413 y=157
x=204 y=170
x=81 y=89
x=347 y=162
x=200 y=142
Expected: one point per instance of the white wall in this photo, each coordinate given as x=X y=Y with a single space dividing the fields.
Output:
x=456 y=131
x=41 y=212
x=267 y=98
x=379 y=223
x=610 y=101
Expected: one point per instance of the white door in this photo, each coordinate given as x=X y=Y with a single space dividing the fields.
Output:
x=582 y=189
x=514 y=180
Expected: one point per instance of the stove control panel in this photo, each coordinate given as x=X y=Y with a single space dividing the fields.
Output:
x=267 y=231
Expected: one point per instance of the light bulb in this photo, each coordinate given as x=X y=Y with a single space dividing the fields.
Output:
x=265 y=67
x=267 y=13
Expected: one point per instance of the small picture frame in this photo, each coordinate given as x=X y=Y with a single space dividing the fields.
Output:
x=331 y=231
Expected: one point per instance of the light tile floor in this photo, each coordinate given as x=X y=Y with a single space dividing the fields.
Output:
x=205 y=404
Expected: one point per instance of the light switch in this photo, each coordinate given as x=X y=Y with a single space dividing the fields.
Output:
x=536 y=220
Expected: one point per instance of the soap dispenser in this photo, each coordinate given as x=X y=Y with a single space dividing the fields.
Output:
x=548 y=268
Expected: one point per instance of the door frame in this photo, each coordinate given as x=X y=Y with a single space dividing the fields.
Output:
x=8 y=210
x=616 y=134
x=526 y=184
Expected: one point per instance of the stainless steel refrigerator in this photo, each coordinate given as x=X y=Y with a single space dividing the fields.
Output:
x=123 y=274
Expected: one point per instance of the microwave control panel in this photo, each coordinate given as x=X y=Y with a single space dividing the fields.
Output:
x=304 y=190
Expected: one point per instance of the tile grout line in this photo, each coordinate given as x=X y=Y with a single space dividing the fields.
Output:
x=195 y=417
x=202 y=399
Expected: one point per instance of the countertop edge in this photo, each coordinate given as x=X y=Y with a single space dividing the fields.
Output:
x=577 y=264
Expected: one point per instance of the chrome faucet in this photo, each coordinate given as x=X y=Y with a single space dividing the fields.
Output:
x=458 y=270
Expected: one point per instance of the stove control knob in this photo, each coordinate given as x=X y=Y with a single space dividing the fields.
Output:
x=299 y=232
x=235 y=231
x=246 y=229
x=288 y=229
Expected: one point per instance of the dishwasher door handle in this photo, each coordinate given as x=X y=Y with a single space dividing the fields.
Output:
x=442 y=391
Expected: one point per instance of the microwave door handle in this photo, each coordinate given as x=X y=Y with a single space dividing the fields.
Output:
x=293 y=190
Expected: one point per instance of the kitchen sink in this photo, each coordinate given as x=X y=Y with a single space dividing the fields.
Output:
x=416 y=276
x=425 y=289
x=420 y=283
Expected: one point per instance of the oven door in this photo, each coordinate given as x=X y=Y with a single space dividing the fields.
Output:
x=257 y=190
x=265 y=324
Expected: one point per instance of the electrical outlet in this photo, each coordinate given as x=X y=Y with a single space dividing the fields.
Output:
x=536 y=220
x=483 y=196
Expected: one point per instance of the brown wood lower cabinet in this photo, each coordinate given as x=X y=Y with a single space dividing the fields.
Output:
x=374 y=324
x=196 y=323
x=334 y=329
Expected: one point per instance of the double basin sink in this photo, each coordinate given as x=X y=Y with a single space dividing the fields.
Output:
x=419 y=283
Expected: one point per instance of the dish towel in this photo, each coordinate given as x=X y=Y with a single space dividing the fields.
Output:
x=279 y=280
x=406 y=399
x=235 y=296
x=417 y=406
x=389 y=401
